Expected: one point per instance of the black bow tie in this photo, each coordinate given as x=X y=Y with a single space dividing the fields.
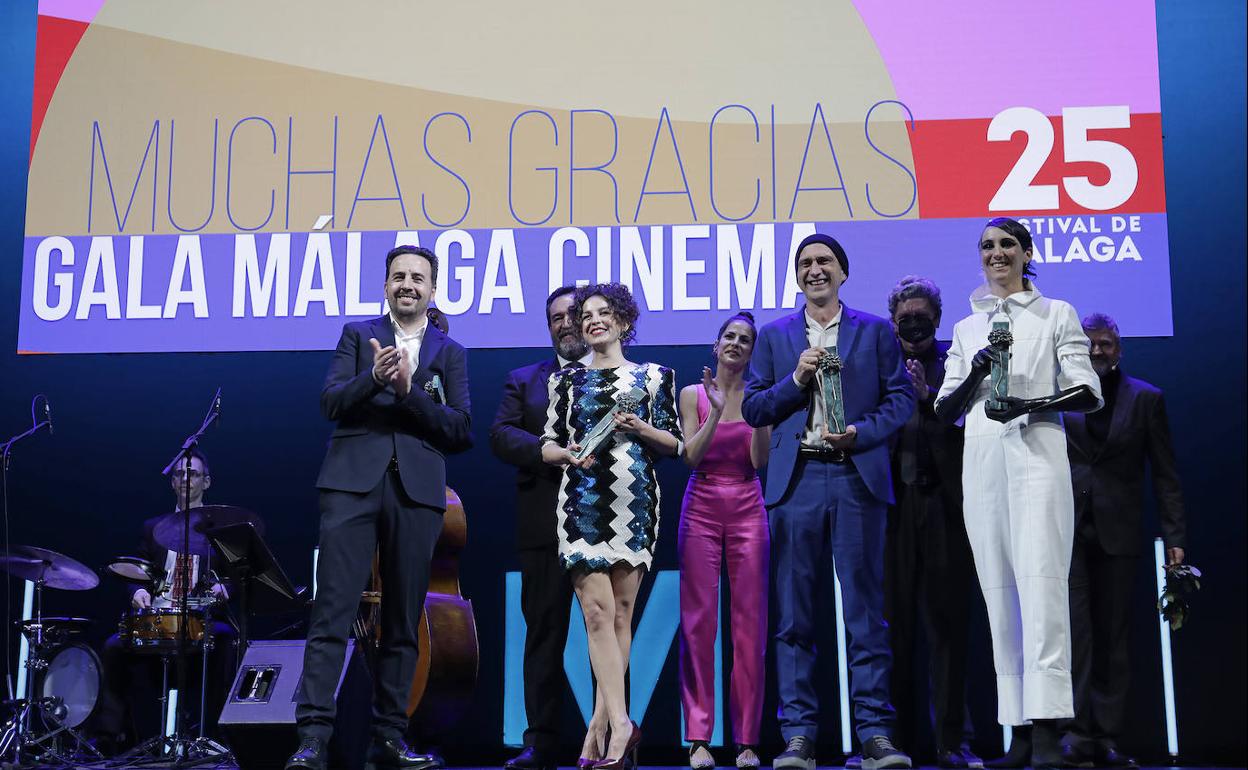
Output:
x=574 y=365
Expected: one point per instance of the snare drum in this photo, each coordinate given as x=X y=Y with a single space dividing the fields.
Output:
x=156 y=629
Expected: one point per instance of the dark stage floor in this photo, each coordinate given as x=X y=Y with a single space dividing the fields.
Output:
x=230 y=765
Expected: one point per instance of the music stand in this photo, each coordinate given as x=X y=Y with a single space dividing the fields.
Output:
x=249 y=560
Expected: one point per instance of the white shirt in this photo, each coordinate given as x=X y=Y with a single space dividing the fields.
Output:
x=819 y=336
x=410 y=343
x=165 y=597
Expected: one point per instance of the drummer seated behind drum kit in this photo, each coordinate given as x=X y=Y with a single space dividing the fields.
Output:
x=66 y=676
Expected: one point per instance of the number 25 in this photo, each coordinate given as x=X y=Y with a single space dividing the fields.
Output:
x=1018 y=192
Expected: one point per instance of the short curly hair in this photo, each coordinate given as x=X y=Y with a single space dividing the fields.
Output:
x=618 y=298
x=914 y=287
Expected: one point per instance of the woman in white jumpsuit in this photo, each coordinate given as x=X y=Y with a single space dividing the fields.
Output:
x=1019 y=506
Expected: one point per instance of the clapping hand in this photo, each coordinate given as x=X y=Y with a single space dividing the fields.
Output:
x=402 y=379
x=713 y=394
x=385 y=362
x=918 y=378
x=392 y=367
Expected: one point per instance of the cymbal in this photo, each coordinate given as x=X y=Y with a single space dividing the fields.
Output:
x=54 y=569
x=131 y=569
x=168 y=531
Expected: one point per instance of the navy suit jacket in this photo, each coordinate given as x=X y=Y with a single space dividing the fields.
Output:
x=878 y=397
x=515 y=438
x=374 y=425
x=1109 y=479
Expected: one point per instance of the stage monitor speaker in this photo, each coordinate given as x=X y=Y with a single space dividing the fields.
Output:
x=258 y=719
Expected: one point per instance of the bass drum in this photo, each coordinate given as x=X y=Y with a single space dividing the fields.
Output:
x=73 y=676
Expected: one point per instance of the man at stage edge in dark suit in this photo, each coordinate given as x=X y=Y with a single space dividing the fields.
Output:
x=827 y=492
x=546 y=592
x=1108 y=450
x=383 y=489
x=928 y=567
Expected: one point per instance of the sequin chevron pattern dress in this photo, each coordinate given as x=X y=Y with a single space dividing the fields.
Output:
x=609 y=513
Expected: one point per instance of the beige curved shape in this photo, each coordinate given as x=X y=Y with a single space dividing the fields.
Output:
x=187 y=65
x=629 y=58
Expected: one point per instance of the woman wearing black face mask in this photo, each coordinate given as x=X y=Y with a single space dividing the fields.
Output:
x=926 y=544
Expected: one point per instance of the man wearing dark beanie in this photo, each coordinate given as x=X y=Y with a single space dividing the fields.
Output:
x=828 y=489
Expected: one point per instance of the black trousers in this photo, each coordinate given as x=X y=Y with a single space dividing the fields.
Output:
x=352 y=526
x=546 y=600
x=928 y=580
x=1100 y=604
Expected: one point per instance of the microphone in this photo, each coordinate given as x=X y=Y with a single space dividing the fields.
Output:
x=216 y=407
x=47 y=415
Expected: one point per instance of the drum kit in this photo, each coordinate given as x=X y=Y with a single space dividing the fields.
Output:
x=64 y=676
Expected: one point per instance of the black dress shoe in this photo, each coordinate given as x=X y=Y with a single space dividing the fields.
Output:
x=951 y=759
x=1109 y=756
x=394 y=753
x=530 y=759
x=1077 y=755
x=1046 y=746
x=309 y=756
x=1019 y=754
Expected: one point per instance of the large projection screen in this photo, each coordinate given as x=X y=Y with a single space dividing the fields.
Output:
x=228 y=176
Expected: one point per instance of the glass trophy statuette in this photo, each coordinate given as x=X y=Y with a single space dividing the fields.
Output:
x=1000 y=339
x=598 y=435
x=828 y=375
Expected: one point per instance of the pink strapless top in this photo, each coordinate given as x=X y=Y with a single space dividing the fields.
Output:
x=728 y=456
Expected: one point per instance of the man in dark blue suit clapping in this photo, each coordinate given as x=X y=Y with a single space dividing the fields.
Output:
x=827 y=492
x=398 y=391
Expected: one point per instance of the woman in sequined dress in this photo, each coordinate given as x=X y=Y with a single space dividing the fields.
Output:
x=608 y=514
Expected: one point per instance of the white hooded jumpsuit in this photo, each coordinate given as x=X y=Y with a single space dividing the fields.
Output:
x=1019 y=506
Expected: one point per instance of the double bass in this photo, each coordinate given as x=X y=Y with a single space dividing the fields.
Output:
x=446 y=671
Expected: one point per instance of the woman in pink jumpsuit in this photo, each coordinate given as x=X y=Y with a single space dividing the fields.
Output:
x=723 y=515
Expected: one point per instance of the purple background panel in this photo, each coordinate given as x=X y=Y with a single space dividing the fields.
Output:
x=973 y=58
x=1136 y=292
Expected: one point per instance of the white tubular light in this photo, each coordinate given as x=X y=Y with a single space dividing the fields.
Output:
x=23 y=650
x=1167 y=665
x=842 y=666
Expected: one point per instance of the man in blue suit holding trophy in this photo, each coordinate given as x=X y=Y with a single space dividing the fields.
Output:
x=830 y=381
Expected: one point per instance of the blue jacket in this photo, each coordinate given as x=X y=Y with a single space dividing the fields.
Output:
x=878 y=397
x=373 y=425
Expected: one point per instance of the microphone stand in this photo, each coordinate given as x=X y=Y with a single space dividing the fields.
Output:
x=180 y=748
x=13 y=733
